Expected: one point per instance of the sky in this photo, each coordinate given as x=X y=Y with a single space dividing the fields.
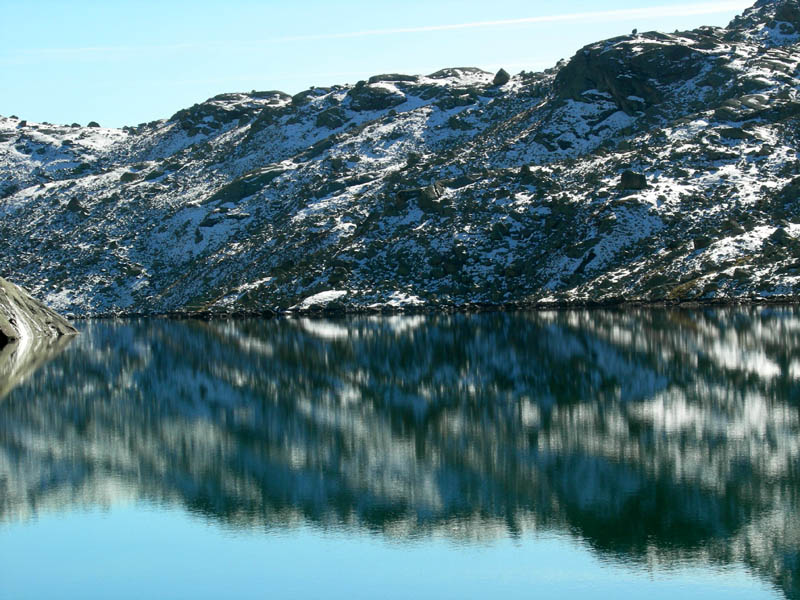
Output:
x=120 y=62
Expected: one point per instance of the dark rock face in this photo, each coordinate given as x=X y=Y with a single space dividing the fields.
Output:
x=632 y=181
x=332 y=118
x=789 y=12
x=633 y=81
x=22 y=317
x=393 y=77
x=74 y=205
x=373 y=97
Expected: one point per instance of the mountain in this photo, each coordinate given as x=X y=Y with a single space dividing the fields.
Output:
x=651 y=167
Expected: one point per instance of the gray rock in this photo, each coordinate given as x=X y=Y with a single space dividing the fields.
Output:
x=23 y=317
x=365 y=97
x=332 y=118
x=396 y=77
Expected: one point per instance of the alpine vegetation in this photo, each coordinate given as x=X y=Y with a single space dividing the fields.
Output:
x=653 y=167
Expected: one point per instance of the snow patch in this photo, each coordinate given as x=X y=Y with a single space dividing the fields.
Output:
x=320 y=299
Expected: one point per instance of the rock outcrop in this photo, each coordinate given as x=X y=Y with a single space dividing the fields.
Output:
x=632 y=181
x=501 y=78
x=24 y=318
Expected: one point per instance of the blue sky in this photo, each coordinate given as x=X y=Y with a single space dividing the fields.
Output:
x=122 y=63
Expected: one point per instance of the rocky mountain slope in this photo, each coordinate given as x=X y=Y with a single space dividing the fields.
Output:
x=650 y=167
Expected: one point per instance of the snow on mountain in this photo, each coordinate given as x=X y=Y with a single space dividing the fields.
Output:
x=650 y=167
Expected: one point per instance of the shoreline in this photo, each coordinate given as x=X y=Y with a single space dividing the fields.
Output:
x=448 y=309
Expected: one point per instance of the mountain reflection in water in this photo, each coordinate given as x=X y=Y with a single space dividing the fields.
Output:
x=655 y=436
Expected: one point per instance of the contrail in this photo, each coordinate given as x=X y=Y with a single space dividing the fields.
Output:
x=679 y=10
x=674 y=10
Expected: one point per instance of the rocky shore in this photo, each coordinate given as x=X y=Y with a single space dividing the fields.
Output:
x=23 y=318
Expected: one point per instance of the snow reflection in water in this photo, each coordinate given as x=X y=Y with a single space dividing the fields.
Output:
x=654 y=437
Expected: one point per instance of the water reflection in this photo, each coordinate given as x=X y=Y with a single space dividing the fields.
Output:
x=656 y=436
x=20 y=359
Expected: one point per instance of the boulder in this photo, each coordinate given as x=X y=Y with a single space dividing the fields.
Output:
x=23 y=318
x=628 y=75
x=632 y=181
x=780 y=237
x=501 y=78
x=368 y=97
x=430 y=198
x=332 y=118
x=74 y=205
x=395 y=77
x=526 y=175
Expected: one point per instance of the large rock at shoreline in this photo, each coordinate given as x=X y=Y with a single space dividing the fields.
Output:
x=23 y=317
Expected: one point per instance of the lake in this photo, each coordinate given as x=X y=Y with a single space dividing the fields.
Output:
x=576 y=454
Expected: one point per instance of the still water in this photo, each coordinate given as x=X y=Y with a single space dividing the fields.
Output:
x=595 y=454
